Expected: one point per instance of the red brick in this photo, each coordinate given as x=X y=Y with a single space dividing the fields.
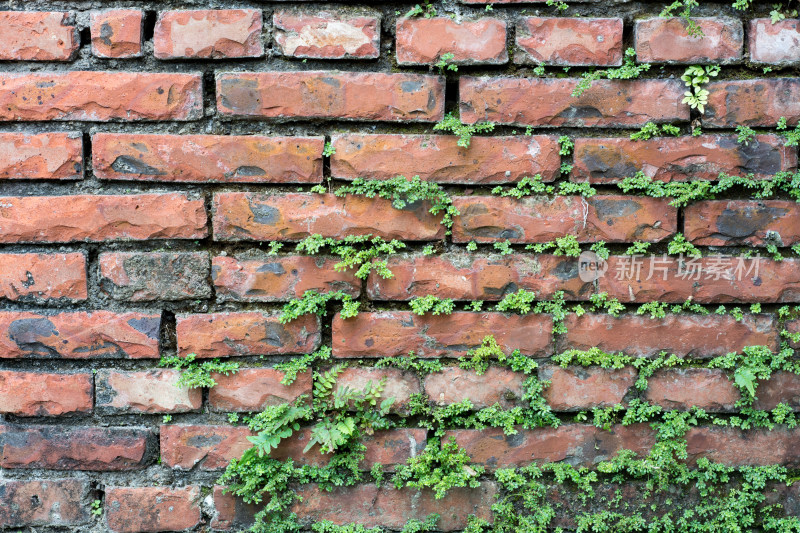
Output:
x=327 y=35
x=736 y=447
x=396 y=333
x=44 y=394
x=665 y=40
x=79 y=335
x=245 y=333
x=46 y=156
x=708 y=389
x=793 y=326
x=399 y=385
x=577 y=444
x=214 y=34
x=253 y=389
x=393 y=447
x=781 y=387
x=295 y=216
x=207 y=158
x=147 y=276
x=544 y=219
x=230 y=512
x=549 y=102
x=752 y=102
x=739 y=280
x=495 y=386
x=149 y=391
x=73 y=447
x=32 y=277
x=205 y=447
x=38 y=36
x=609 y=160
x=45 y=502
x=577 y=388
x=117 y=33
x=331 y=95
x=569 y=41
x=423 y=41
x=740 y=222
x=370 y=506
x=776 y=43
x=100 y=96
x=469 y=277
x=140 y=509
x=96 y=218
x=278 y=278
x=438 y=158
x=642 y=336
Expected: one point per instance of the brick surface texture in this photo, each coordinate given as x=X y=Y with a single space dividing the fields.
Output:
x=565 y=269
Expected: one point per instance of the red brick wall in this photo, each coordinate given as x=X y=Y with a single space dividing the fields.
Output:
x=151 y=153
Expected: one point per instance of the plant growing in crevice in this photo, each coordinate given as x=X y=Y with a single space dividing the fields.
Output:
x=452 y=123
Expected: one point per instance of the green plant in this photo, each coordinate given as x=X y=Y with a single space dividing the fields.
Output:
x=565 y=145
x=427 y=10
x=432 y=304
x=695 y=78
x=444 y=63
x=745 y=134
x=315 y=303
x=679 y=245
x=440 y=468
x=328 y=150
x=97 y=508
x=628 y=71
x=166 y=419
x=363 y=253
x=197 y=375
x=302 y=364
x=686 y=7
x=651 y=130
x=453 y=124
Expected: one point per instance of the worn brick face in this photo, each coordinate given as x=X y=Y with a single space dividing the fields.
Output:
x=132 y=509
x=38 y=36
x=253 y=389
x=755 y=223
x=569 y=41
x=577 y=388
x=215 y=34
x=45 y=502
x=46 y=156
x=137 y=277
x=44 y=394
x=327 y=35
x=777 y=43
x=665 y=40
x=42 y=277
x=495 y=386
x=757 y=102
x=150 y=391
x=207 y=158
x=117 y=33
x=423 y=41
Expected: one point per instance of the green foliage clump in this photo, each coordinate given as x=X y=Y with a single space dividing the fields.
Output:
x=695 y=78
x=302 y=364
x=452 y=123
x=651 y=130
x=358 y=252
x=314 y=303
x=432 y=304
x=439 y=468
x=628 y=71
x=197 y=375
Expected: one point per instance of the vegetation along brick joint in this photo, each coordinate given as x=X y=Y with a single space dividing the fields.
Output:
x=325 y=267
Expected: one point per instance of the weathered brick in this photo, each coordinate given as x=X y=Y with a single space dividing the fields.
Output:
x=759 y=102
x=140 y=509
x=549 y=102
x=259 y=278
x=642 y=336
x=739 y=222
x=544 y=219
x=609 y=160
x=100 y=96
x=469 y=277
x=73 y=447
x=46 y=156
x=212 y=33
x=95 y=218
x=253 y=389
x=294 y=216
x=44 y=394
x=665 y=40
x=781 y=387
x=230 y=512
x=149 y=391
x=399 y=385
x=439 y=158
x=736 y=447
x=117 y=33
x=34 y=277
x=327 y=34
x=423 y=41
x=577 y=388
x=393 y=447
x=146 y=276
x=706 y=388
x=45 y=502
x=569 y=41
x=495 y=386
x=331 y=95
x=396 y=333
x=776 y=43
x=207 y=158
x=245 y=333
x=38 y=36
x=79 y=335
x=205 y=447
x=793 y=326
x=391 y=508
x=711 y=279
x=576 y=444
